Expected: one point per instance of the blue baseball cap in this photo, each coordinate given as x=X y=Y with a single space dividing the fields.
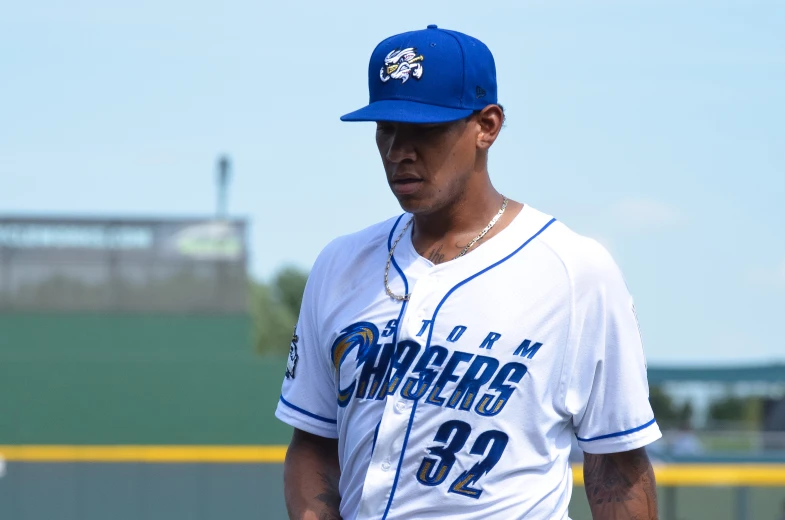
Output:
x=428 y=76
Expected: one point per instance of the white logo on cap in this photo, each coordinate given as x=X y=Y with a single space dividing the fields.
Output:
x=401 y=64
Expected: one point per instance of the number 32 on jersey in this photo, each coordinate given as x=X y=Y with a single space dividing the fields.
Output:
x=453 y=435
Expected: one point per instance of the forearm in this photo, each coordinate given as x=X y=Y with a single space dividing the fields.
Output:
x=311 y=474
x=621 y=486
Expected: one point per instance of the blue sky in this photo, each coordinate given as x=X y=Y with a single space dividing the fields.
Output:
x=657 y=127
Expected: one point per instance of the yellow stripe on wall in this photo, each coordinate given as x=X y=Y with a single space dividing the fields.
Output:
x=710 y=474
x=721 y=475
x=667 y=474
x=182 y=454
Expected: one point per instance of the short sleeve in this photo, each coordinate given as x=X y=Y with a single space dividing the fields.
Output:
x=307 y=399
x=608 y=391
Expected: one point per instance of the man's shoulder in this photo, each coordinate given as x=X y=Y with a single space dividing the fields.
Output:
x=346 y=247
x=585 y=259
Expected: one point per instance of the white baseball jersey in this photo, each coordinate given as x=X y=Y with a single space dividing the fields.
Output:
x=461 y=402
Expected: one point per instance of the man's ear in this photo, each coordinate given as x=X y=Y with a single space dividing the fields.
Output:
x=490 y=119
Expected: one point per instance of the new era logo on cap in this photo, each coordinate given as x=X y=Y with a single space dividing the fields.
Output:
x=401 y=90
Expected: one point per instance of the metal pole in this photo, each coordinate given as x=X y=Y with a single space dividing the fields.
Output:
x=742 y=503
x=670 y=503
x=224 y=166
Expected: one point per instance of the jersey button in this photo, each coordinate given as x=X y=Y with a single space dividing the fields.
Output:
x=400 y=406
x=386 y=465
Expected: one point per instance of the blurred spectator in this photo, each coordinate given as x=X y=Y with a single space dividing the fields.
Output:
x=684 y=442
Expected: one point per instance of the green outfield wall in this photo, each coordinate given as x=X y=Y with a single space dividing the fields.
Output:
x=135 y=379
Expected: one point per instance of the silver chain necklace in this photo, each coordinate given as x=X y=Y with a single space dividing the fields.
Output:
x=463 y=252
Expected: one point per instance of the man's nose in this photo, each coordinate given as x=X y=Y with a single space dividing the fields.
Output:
x=400 y=148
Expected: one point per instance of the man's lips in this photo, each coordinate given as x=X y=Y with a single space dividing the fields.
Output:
x=405 y=185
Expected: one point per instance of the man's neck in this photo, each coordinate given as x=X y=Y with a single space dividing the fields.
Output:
x=469 y=212
x=441 y=235
x=465 y=215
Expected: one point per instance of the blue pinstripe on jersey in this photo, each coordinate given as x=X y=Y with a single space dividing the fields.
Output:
x=618 y=434
x=306 y=412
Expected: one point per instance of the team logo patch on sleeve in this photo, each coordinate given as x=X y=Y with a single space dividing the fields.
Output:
x=402 y=64
x=291 y=363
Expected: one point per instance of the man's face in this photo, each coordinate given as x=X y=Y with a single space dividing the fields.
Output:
x=427 y=166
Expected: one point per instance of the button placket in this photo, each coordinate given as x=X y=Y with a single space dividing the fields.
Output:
x=395 y=418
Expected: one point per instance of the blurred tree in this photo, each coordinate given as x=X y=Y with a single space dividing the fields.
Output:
x=289 y=285
x=275 y=308
x=727 y=409
x=686 y=413
x=668 y=413
x=273 y=323
x=743 y=411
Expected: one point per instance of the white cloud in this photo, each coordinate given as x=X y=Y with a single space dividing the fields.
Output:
x=767 y=276
x=650 y=214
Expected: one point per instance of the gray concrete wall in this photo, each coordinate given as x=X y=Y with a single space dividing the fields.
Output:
x=198 y=491
x=129 y=491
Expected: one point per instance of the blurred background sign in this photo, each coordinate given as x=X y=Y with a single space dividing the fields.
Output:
x=123 y=264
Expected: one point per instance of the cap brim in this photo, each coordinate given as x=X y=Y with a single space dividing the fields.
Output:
x=400 y=111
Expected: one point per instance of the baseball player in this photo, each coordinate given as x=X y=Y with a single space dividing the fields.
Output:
x=443 y=359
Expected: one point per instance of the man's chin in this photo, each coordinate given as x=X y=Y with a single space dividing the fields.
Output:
x=416 y=205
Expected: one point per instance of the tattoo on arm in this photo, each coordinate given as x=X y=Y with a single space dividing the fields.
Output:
x=608 y=484
x=621 y=485
x=330 y=497
x=436 y=256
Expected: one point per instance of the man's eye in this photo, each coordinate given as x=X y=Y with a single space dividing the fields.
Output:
x=431 y=129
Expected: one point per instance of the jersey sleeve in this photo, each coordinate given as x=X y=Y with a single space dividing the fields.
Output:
x=308 y=399
x=608 y=391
